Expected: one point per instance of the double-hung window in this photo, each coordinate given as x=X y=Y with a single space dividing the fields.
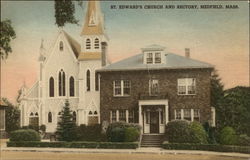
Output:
x=153 y=86
x=149 y=58
x=122 y=115
x=157 y=57
x=186 y=86
x=178 y=114
x=187 y=114
x=122 y=87
x=197 y=115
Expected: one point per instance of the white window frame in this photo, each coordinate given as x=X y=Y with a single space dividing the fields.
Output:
x=186 y=85
x=153 y=57
x=3 y=111
x=151 y=87
x=122 y=88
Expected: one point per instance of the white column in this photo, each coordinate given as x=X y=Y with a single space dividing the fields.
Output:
x=140 y=115
x=127 y=116
x=117 y=115
x=166 y=113
x=182 y=114
x=110 y=116
x=192 y=115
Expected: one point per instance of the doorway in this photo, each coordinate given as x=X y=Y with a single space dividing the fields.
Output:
x=154 y=122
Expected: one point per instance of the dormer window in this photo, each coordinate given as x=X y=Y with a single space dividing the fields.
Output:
x=149 y=58
x=157 y=57
x=61 y=46
x=153 y=58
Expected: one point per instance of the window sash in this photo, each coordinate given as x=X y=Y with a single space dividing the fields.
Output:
x=113 y=115
x=154 y=87
x=187 y=114
x=149 y=58
x=122 y=87
x=131 y=116
x=197 y=115
x=186 y=86
x=157 y=57
x=122 y=115
x=178 y=114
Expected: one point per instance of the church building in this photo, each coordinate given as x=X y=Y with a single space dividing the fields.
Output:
x=150 y=88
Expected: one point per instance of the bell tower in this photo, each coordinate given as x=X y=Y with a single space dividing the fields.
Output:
x=93 y=33
x=91 y=58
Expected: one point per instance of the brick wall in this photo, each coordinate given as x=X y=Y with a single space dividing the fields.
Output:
x=167 y=86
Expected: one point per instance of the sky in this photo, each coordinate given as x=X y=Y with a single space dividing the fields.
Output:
x=217 y=36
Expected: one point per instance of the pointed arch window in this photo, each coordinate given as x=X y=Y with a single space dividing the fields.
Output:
x=51 y=87
x=88 y=80
x=71 y=87
x=49 y=117
x=74 y=116
x=61 y=46
x=88 y=44
x=61 y=83
x=97 y=43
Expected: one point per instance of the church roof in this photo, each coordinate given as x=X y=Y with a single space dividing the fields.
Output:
x=93 y=15
x=76 y=47
x=173 y=61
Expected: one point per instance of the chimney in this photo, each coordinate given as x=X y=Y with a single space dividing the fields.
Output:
x=187 y=52
x=104 y=50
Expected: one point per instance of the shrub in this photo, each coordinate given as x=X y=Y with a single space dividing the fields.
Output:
x=117 y=135
x=111 y=145
x=177 y=131
x=211 y=132
x=131 y=134
x=42 y=128
x=243 y=140
x=228 y=136
x=206 y=147
x=90 y=133
x=120 y=132
x=24 y=135
x=197 y=133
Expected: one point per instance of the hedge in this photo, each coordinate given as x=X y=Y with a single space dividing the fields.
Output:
x=25 y=135
x=206 y=147
x=107 y=145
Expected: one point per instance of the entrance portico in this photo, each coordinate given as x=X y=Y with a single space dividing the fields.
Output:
x=153 y=116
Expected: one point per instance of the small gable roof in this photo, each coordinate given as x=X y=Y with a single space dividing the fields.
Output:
x=173 y=61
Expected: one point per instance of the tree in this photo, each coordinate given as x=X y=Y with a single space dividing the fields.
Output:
x=64 y=12
x=236 y=109
x=217 y=94
x=66 y=127
x=12 y=117
x=7 y=33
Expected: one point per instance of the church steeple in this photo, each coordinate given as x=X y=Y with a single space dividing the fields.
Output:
x=93 y=23
x=94 y=40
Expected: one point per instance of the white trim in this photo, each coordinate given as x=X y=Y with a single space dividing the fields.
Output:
x=186 y=86
x=127 y=116
x=182 y=114
x=192 y=115
x=117 y=115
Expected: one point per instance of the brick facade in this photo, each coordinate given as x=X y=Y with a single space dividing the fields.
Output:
x=167 y=87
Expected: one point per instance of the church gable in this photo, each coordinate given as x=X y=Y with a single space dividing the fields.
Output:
x=65 y=48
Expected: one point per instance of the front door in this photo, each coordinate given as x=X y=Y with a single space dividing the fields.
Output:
x=154 y=122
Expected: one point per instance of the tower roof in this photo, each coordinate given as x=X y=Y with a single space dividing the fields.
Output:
x=93 y=23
